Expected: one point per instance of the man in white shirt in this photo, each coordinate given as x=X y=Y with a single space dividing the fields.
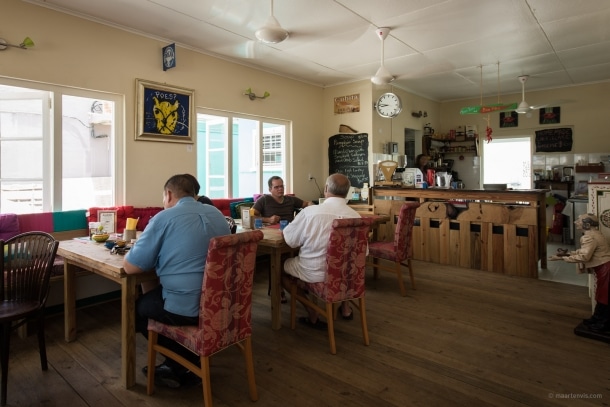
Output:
x=310 y=231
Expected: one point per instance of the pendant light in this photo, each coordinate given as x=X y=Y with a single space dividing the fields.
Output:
x=272 y=32
x=382 y=76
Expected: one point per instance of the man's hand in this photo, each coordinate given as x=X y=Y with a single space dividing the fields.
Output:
x=273 y=219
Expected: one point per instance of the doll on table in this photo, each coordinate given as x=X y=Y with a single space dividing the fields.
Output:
x=593 y=256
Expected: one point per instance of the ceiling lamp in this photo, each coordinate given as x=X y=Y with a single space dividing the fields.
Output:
x=382 y=76
x=272 y=32
x=25 y=44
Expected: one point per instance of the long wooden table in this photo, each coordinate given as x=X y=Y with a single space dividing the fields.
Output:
x=94 y=257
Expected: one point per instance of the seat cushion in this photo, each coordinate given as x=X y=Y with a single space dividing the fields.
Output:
x=383 y=250
x=9 y=226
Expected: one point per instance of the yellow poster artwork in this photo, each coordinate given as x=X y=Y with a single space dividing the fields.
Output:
x=347 y=104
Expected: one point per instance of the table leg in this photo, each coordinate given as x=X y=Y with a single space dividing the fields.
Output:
x=276 y=287
x=69 y=301
x=128 y=330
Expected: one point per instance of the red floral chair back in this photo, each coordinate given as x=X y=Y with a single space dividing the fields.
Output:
x=346 y=259
x=345 y=266
x=225 y=311
x=404 y=231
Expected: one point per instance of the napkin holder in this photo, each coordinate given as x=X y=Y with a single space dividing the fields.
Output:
x=247 y=221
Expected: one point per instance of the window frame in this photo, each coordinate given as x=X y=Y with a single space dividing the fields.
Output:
x=52 y=138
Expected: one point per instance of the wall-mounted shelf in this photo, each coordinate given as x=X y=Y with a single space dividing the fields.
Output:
x=590 y=168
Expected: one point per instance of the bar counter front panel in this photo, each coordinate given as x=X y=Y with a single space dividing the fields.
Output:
x=498 y=231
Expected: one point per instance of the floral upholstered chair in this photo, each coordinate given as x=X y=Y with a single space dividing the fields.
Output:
x=399 y=250
x=345 y=266
x=225 y=312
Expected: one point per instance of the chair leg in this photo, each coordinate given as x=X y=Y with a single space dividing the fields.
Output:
x=365 y=330
x=205 y=377
x=6 y=343
x=42 y=348
x=152 y=356
x=250 y=368
x=331 y=328
x=293 y=305
x=401 y=284
x=375 y=268
x=409 y=266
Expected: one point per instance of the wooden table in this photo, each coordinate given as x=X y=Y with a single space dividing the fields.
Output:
x=273 y=244
x=94 y=257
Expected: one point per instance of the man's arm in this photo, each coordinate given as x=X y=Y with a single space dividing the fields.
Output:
x=130 y=268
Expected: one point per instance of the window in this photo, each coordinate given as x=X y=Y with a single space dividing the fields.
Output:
x=57 y=148
x=508 y=161
x=239 y=162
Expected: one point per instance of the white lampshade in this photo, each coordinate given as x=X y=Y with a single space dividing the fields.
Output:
x=382 y=76
x=271 y=32
x=524 y=107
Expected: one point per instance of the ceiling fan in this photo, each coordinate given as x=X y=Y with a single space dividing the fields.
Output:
x=382 y=76
x=272 y=32
x=525 y=107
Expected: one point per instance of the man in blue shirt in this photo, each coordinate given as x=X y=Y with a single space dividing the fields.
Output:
x=175 y=246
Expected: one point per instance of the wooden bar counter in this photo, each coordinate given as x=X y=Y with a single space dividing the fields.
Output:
x=499 y=231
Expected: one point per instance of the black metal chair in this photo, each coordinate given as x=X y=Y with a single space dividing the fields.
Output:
x=27 y=264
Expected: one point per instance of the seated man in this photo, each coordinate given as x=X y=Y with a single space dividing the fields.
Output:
x=276 y=206
x=174 y=245
x=310 y=231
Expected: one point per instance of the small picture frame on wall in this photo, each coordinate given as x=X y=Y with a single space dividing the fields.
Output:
x=550 y=115
x=164 y=112
x=509 y=119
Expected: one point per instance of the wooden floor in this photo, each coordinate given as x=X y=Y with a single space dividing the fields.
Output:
x=463 y=338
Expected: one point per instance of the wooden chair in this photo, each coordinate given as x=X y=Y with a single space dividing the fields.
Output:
x=397 y=251
x=345 y=267
x=27 y=264
x=225 y=312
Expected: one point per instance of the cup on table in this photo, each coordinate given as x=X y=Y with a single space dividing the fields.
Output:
x=283 y=224
x=129 y=234
x=258 y=223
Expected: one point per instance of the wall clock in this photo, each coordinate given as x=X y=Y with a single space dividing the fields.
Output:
x=388 y=105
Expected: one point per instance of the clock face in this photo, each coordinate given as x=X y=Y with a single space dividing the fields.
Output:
x=388 y=105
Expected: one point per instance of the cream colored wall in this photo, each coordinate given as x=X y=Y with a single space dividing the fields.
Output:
x=79 y=53
x=584 y=108
x=380 y=130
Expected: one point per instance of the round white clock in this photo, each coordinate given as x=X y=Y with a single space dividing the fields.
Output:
x=388 y=105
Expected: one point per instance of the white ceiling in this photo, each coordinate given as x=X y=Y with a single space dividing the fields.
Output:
x=436 y=48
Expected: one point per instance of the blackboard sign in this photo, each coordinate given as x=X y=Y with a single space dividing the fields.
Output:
x=348 y=154
x=551 y=140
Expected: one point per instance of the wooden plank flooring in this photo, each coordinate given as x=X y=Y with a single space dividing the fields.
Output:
x=463 y=338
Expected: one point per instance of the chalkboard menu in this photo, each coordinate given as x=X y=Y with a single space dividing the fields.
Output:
x=348 y=154
x=551 y=140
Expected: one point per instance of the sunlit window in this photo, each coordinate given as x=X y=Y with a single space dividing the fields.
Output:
x=35 y=175
x=238 y=162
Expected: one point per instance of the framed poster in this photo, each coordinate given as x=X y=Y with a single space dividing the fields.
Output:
x=550 y=115
x=108 y=219
x=164 y=112
x=509 y=119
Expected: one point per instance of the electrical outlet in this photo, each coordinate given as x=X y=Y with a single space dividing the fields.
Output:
x=309 y=177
